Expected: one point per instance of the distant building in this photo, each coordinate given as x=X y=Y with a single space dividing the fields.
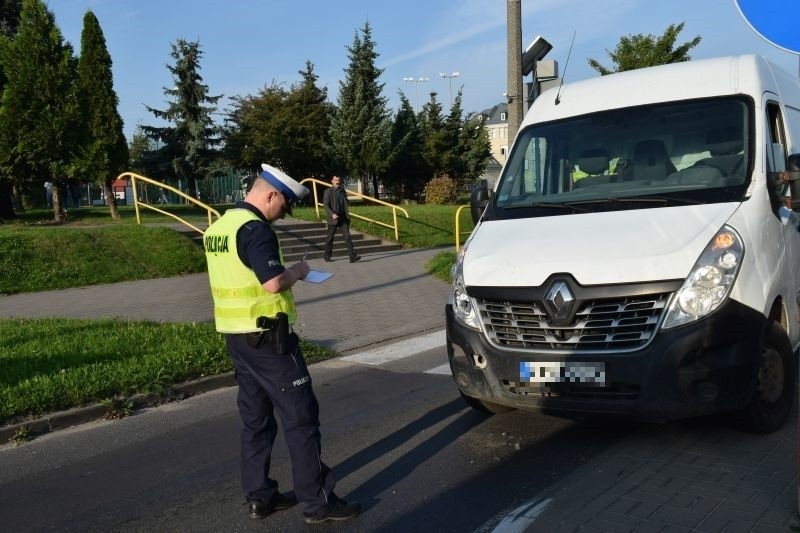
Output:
x=496 y=124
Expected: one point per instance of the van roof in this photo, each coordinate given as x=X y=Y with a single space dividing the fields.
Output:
x=747 y=74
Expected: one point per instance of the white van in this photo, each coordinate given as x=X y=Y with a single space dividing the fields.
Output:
x=631 y=258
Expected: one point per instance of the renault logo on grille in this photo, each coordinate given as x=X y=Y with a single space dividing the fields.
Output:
x=559 y=300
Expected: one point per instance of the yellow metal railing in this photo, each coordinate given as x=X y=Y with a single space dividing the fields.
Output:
x=136 y=203
x=395 y=208
x=458 y=233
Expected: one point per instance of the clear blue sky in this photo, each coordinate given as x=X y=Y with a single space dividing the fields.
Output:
x=249 y=43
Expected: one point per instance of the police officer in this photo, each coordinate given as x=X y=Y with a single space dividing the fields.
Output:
x=254 y=307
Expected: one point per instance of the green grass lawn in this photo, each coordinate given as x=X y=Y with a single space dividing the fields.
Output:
x=42 y=258
x=52 y=364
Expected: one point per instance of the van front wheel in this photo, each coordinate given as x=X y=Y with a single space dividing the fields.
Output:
x=775 y=390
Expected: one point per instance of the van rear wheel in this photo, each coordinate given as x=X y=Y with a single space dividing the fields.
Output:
x=775 y=389
x=484 y=406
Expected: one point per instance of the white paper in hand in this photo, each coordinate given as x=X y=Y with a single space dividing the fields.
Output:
x=317 y=276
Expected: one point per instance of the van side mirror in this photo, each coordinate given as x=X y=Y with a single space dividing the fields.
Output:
x=793 y=170
x=478 y=199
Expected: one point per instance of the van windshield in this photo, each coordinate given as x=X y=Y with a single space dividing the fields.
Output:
x=689 y=152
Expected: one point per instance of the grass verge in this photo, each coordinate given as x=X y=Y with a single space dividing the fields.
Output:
x=53 y=364
x=440 y=265
x=44 y=258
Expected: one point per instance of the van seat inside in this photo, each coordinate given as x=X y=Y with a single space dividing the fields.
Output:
x=725 y=146
x=650 y=161
x=595 y=163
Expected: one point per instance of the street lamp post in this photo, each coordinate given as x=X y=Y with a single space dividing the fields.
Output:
x=450 y=82
x=416 y=81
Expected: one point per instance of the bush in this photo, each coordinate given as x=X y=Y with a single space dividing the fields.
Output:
x=441 y=190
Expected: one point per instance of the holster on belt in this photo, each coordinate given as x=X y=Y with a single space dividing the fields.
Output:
x=273 y=330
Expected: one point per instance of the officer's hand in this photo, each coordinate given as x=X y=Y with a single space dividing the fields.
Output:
x=301 y=269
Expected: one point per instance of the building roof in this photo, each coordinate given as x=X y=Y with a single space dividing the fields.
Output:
x=493 y=114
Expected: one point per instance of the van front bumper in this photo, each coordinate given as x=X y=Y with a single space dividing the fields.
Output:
x=701 y=368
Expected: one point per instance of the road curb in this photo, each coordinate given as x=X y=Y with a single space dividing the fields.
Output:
x=81 y=415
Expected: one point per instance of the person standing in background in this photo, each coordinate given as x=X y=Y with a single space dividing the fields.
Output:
x=335 y=202
x=48 y=193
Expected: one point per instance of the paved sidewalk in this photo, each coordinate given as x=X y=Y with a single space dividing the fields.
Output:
x=383 y=296
x=699 y=475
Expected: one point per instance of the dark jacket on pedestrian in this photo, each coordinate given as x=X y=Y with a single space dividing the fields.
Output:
x=335 y=201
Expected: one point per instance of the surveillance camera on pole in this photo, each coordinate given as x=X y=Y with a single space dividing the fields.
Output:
x=536 y=51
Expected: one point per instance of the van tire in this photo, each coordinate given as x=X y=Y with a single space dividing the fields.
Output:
x=483 y=406
x=775 y=387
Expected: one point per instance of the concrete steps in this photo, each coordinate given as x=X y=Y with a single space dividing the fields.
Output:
x=298 y=236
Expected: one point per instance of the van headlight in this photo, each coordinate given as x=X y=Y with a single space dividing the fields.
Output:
x=464 y=308
x=710 y=281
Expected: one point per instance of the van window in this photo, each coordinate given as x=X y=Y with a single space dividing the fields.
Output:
x=683 y=152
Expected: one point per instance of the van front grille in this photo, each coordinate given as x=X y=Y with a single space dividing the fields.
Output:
x=599 y=325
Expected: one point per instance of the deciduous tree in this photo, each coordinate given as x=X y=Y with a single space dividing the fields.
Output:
x=37 y=115
x=253 y=132
x=9 y=20
x=639 y=51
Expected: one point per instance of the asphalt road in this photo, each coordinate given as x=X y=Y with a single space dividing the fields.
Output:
x=400 y=441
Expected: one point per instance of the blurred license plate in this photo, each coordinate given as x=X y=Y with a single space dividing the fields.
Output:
x=563 y=372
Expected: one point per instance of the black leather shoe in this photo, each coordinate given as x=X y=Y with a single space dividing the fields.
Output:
x=338 y=511
x=328 y=259
x=259 y=509
x=355 y=258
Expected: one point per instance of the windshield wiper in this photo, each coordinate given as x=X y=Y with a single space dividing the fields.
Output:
x=550 y=205
x=639 y=199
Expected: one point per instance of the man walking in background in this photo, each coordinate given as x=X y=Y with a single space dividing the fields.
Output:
x=335 y=202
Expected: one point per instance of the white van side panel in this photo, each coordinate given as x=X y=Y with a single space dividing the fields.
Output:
x=759 y=283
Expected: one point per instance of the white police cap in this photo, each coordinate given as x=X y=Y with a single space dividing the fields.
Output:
x=291 y=189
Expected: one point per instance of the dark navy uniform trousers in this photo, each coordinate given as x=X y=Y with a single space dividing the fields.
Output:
x=270 y=383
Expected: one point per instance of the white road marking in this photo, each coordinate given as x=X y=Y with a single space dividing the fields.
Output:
x=522 y=518
x=398 y=350
x=443 y=369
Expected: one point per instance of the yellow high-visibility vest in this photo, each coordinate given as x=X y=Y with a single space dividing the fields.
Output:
x=239 y=298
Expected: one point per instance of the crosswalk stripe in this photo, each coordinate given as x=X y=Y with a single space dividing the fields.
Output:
x=441 y=369
x=398 y=350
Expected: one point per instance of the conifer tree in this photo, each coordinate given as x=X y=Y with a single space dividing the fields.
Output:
x=103 y=151
x=361 y=126
x=37 y=114
x=406 y=175
x=474 y=148
x=434 y=137
x=189 y=144
x=307 y=127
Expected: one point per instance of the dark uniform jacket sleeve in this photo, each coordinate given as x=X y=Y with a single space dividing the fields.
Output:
x=259 y=250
